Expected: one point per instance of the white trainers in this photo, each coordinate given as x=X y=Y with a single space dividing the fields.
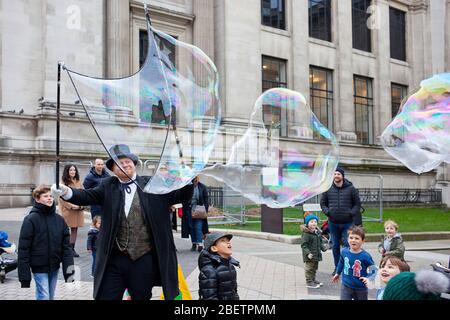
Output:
x=312 y=285
x=319 y=283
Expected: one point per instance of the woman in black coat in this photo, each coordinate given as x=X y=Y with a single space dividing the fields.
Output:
x=190 y=227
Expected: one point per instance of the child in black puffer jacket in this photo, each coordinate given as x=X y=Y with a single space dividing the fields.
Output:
x=217 y=278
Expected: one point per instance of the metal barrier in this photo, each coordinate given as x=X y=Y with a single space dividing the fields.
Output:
x=402 y=196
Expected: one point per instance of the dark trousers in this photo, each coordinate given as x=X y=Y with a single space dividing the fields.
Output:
x=338 y=232
x=123 y=273
x=348 y=293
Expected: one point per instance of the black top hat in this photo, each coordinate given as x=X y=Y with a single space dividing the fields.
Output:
x=120 y=151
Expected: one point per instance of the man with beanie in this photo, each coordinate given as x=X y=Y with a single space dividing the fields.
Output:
x=341 y=204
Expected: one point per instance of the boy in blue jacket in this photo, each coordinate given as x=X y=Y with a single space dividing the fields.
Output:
x=357 y=266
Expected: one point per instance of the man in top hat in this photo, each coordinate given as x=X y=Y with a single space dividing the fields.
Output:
x=341 y=204
x=135 y=248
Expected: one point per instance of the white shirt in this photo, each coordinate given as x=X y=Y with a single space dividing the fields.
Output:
x=129 y=196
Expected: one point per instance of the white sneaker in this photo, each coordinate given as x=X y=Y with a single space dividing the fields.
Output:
x=319 y=283
x=312 y=285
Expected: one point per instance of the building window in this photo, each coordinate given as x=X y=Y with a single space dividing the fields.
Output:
x=273 y=13
x=397 y=28
x=361 y=33
x=320 y=19
x=274 y=76
x=398 y=93
x=273 y=73
x=149 y=112
x=321 y=92
x=363 y=96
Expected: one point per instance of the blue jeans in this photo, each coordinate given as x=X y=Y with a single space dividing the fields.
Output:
x=196 y=231
x=45 y=285
x=338 y=231
x=94 y=255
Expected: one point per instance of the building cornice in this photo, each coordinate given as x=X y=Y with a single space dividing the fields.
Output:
x=155 y=11
x=419 y=6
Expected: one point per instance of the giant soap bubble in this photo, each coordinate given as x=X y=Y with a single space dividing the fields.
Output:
x=168 y=113
x=419 y=136
x=268 y=165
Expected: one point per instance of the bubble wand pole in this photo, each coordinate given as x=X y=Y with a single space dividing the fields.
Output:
x=58 y=95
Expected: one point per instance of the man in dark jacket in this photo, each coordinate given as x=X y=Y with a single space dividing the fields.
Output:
x=93 y=179
x=341 y=204
x=135 y=248
x=43 y=245
x=217 y=278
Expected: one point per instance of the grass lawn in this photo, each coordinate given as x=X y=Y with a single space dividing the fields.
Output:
x=409 y=220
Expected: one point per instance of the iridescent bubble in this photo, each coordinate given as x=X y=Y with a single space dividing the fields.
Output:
x=285 y=157
x=168 y=113
x=419 y=136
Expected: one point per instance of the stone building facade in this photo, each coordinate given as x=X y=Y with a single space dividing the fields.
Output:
x=102 y=38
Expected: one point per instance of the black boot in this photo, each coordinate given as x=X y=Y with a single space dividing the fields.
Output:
x=194 y=247
x=75 y=254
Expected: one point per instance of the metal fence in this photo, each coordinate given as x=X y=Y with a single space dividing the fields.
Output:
x=368 y=196
x=233 y=205
x=401 y=196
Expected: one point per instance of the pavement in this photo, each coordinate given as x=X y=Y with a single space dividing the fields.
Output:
x=271 y=269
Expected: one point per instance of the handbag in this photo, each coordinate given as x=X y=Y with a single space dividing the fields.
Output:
x=199 y=212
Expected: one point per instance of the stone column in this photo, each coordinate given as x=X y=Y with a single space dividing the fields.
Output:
x=382 y=107
x=344 y=112
x=437 y=32
x=447 y=41
x=1 y=66
x=300 y=44
x=118 y=48
x=417 y=47
x=204 y=26
x=299 y=68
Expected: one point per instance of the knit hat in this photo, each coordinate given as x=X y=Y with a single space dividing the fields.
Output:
x=423 y=285
x=309 y=217
x=340 y=170
x=4 y=243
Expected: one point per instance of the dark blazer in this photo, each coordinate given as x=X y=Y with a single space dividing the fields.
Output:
x=342 y=205
x=93 y=180
x=44 y=244
x=155 y=206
